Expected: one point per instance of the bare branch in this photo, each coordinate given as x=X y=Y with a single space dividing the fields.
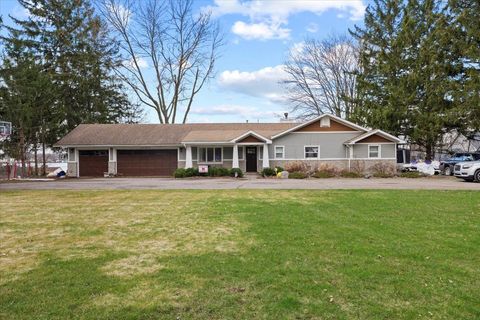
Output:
x=169 y=51
x=321 y=77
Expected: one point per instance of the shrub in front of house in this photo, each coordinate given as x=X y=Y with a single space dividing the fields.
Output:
x=412 y=174
x=268 y=172
x=238 y=171
x=279 y=169
x=218 y=172
x=191 y=172
x=297 y=175
x=350 y=174
x=296 y=166
x=325 y=171
x=383 y=170
x=179 y=173
x=323 y=174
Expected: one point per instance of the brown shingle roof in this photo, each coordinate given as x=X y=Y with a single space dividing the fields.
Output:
x=164 y=134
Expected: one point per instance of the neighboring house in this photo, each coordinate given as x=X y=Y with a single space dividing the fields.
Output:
x=158 y=149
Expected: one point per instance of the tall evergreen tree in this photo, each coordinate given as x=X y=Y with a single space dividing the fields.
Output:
x=380 y=59
x=71 y=43
x=409 y=80
x=464 y=29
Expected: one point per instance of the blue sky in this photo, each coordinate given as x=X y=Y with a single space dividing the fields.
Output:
x=259 y=35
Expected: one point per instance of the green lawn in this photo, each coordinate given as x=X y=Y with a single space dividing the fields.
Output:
x=240 y=255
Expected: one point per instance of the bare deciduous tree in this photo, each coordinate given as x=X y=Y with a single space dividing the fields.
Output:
x=321 y=77
x=169 y=52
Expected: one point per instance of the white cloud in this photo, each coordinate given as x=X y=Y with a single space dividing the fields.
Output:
x=142 y=63
x=268 y=18
x=20 y=12
x=283 y=9
x=312 y=27
x=260 y=31
x=263 y=83
x=297 y=49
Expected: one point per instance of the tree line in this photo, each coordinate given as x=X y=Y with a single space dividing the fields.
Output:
x=412 y=69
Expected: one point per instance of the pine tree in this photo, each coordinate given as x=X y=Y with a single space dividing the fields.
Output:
x=25 y=95
x=71 y=43
x=378 y=82
x=409 y=81
x=464 y=29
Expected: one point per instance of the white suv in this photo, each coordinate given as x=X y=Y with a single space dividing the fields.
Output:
x=469 y=171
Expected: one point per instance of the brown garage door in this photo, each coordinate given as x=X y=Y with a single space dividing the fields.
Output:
x=93 y=163
x=146 y=162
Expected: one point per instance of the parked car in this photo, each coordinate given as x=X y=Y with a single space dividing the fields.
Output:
x=469 y=171
x=447 y=165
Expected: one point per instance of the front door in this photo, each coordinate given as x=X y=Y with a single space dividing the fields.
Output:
x=251 y=159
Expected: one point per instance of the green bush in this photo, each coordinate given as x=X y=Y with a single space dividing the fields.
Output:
x=191 y=172
x=297 y=175
x=323 y=174
x=267 y=172
x=236 y=170
x=218 y=172
x=412 y=174
x=179 y=173
x=279 y=169
x=383 y=175
x=350 y=174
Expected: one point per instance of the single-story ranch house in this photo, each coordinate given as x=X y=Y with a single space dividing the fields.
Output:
x=158 y=149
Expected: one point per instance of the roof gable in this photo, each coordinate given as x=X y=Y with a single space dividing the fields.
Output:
x=314 y=124
x=375 y=136
x=316 y=127
x=250 y=138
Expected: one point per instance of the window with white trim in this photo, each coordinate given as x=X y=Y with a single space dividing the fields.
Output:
x=210 y=155
x=374 y=151
x=279 y=152
x=260 y=153
x=312 y=152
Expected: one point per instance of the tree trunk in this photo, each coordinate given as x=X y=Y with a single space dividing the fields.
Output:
x=429 y=152
x=44 y=159
x=22 y=150
x=35 y=153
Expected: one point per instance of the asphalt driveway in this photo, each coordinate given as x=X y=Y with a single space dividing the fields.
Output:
x=439 y=182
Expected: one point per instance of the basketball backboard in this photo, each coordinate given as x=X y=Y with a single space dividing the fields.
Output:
x=5 y=129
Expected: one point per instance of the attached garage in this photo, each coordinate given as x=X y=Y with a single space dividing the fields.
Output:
x=93 y=163
x=146 y=162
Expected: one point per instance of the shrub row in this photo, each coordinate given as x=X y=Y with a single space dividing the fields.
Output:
x=212 y=172
x=379 y=170
x=271 y=172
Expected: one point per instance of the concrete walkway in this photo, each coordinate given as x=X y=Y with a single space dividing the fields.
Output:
x=436 y=183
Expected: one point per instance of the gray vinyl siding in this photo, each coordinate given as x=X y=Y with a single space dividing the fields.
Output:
x=331 y=144
x=182 y=153
x=387 y=150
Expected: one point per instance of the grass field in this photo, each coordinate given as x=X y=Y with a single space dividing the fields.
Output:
x=240 y=255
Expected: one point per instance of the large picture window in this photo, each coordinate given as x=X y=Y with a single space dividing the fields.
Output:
x=312 y=152
x=210 y=155
x=374 y=151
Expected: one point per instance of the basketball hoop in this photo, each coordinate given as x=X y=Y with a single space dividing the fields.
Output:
x=5 y=130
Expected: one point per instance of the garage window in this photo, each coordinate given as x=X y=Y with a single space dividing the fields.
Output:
x=210 y=155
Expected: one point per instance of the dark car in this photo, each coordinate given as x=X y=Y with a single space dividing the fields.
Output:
x=447 y=165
